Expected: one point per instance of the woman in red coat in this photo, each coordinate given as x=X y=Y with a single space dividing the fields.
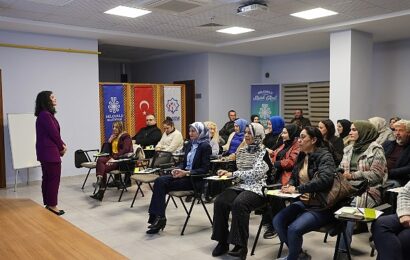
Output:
x=49 y=148
x=121 y=144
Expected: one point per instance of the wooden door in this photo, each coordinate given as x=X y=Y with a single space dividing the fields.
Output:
x=2 y=160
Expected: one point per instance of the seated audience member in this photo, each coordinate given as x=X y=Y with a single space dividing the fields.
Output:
x=149 y=135
x=398 y=154
x=343 y=128
x=299 y=117
x=364 y=160
x=273 y=138
x=254 y=119
x=236 y=138
x=196 y=161
x=305 y=215
x=385 y=133
x=121 y=144
x=172 y=139
x=392 y=121
x=215 y=140
x=283 y=159
x=252 y=162
x=391 y=233
x=327 y=128
x=229 y=126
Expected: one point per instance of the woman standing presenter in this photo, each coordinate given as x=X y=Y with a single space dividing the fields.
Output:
x=49 y=148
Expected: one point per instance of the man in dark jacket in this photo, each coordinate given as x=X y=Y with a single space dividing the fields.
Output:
x=398 y=154
x=229 y=126
x=149 y=135
x=299 y=119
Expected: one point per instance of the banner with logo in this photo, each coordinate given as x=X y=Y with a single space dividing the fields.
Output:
x=265 y=101
x=113 y=104
x=173 y=105
x=143 y=105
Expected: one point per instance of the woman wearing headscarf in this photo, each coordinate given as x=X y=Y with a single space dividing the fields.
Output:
x=283 y=159
x=364 y=160
x=236 y=138
x=343 y=128
x=196 y=161
x=385 y=133
x=273 y=139
x=252 y=162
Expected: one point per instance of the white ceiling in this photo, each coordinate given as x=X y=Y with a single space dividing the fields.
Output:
x=276 y=32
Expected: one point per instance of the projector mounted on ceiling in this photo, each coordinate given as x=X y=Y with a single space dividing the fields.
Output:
x=252 y=9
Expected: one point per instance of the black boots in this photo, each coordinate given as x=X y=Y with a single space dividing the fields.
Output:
x=99 y=195
x=220 y=249
x=239 y=251
x=159 y=223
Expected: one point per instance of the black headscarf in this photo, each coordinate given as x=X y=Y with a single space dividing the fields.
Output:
x=346 y=127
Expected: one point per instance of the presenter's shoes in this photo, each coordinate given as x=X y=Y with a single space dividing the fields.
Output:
x=57 y=212
x=98 y=196
x=220 y=249
x=159 y=224
x=239 y=251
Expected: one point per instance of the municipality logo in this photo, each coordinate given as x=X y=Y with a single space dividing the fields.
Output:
x=172 y=105
x=113 y=105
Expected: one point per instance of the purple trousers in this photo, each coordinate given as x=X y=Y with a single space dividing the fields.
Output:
x=51 y=182
x=103 y=168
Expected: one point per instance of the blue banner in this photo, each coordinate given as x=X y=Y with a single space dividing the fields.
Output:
x=113 y=99
x=265 y=102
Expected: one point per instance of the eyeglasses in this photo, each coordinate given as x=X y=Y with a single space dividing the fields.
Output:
x=150 y=119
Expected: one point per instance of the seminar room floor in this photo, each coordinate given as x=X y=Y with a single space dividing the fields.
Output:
x=123 y=228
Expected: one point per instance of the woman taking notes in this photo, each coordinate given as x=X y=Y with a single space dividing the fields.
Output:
x=49 y=148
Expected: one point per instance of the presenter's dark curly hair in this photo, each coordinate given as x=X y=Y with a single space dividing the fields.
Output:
x=43 y=102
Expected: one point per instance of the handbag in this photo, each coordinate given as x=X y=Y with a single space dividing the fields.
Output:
x=340 y=190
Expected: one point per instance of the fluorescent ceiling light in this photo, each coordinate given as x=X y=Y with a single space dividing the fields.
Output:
x=235 y=30
x=127 y=11
x=314 y=13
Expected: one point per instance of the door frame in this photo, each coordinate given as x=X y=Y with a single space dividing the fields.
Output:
x=2 y=148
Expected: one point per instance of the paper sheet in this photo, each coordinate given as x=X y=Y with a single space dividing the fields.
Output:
x=278 y=193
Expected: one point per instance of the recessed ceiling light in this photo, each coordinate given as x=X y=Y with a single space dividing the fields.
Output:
x=127 y=11
x=314 y=13
x=235 y=30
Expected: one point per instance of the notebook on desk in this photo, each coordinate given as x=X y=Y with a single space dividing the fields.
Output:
x=148 y=170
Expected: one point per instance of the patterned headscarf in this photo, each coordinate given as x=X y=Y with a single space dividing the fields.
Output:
x=202 y=130
x=257 y=132
x=380 y=124
x=242 y=124
x=367 y=134
x=277 y=124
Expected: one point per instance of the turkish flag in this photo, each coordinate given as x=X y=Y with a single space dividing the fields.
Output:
x=143 y=105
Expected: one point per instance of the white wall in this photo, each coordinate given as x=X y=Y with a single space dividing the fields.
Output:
x=178 y=68
x=230 y=77
x=296 y=68
x=391 y=79
x=72 y=77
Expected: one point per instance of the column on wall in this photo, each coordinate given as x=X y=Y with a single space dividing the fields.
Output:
x=351 y=55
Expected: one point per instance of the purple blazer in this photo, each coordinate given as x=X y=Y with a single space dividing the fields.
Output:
x=48 y=142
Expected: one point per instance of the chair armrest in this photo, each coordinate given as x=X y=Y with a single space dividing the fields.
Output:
x=276 y=186
x=383 y=207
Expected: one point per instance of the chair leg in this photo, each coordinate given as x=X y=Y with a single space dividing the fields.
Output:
x=325 y=238
x=183 y=204
x=206 y=210
x=257 y=237
x=372 y=252
x=188 y=214
x=136 y=193
x=280 y=250
x=86 y=177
